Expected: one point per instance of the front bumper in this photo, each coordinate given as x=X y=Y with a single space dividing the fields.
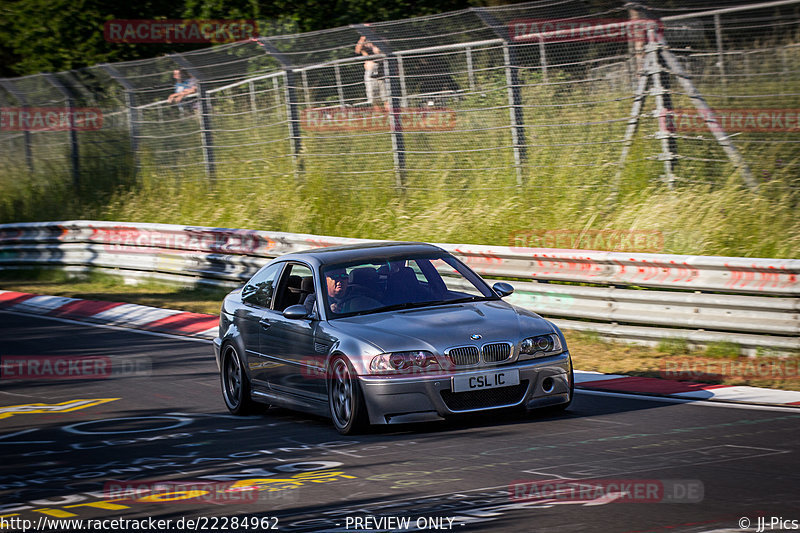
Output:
x=418 y=398
x=217 y=347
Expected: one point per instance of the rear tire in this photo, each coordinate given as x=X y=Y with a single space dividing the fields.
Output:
x=345 y=400
x=235 y=386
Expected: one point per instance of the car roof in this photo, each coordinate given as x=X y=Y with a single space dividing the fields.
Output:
x=362 y=252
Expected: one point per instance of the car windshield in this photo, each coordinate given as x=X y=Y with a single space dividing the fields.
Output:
x=374 y=286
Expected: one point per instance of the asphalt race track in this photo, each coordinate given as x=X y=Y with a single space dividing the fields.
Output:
x=645 y=464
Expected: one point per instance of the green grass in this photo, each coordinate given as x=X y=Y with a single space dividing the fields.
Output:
x=674 y=346
x=723 y=350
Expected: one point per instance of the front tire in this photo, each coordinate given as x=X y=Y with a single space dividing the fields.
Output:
x=235 y=386
x=345 y=400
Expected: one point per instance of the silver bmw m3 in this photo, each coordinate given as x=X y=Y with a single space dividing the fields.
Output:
x=383 y=334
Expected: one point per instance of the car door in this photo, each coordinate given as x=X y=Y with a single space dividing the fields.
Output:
x=257 y=297
x=290 y=342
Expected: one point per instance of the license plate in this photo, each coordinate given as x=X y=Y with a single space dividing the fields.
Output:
x=486 y=380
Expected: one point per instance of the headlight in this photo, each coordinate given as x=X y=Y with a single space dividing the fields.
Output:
x=403 y=362
x=540 y=346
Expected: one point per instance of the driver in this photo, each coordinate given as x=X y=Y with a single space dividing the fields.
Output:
x=337 y=281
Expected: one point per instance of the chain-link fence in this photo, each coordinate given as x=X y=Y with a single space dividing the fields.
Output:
x=546 y=94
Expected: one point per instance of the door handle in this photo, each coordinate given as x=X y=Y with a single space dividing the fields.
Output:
x=264 y=323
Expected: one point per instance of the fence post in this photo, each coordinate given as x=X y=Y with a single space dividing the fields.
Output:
x=661 y=89
x=73 y=134
x=306 y=91
x=391 y=70
x=402 y=74
x=517 y=133
x=276 y=88
x=510 y=61
x=205 y=114
x=720 y=52
x=470 y=71
x=292 y=112
x=130 y=103
x=252 y=90
x=711 y=120
x=663 y=108
x=543 y=59
x=398 y=140
x=640 y=95
x=293 y=116
x=9 y=86
x=339 y=89
x=783 y=59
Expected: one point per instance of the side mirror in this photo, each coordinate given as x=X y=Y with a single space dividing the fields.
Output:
x=503 y=289
x=295 y=312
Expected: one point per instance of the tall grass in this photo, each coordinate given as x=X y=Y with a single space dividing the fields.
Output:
x=566 y=180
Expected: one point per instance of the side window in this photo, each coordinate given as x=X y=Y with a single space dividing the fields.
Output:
x=297 y=282
x=431 y=270
x=414 y=265
x=260 y=289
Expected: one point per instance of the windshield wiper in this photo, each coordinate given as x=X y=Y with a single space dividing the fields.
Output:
x=396 y=307
x=467 y=299
x=412 y=305
x=415 y=305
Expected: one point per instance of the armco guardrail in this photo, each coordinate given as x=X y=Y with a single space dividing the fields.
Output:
x=753 y=302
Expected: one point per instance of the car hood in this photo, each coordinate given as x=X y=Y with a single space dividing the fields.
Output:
x=444 y=326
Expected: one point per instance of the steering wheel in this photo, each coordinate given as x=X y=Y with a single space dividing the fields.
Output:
x=358 y=302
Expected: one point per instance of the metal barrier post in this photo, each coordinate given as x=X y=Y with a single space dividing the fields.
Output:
x=133 y=114
x=711 y=121
x=292 y=112
x=252 y=90
x=73 y=135
x=205 y=114
x=517 y=133
x=543 y=60
x=391 y=71
x=470 y=71
x=510 y=60
x=9 y=86
x=664 y=110
x=306 y=92
x=720 y=52
x=339 y=89
x=403 y=90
